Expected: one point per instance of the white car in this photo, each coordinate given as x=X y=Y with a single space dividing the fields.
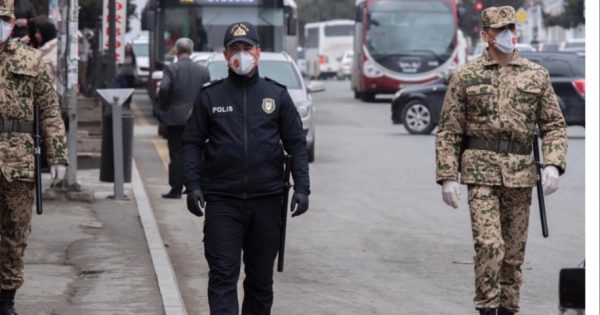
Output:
x=141 y=51
x=281 y=68
x=301 y=61
x=345 y=65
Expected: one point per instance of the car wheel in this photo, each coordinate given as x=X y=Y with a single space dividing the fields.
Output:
x=367 y=97
x=417 y=118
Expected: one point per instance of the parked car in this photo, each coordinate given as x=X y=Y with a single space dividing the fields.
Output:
x=283 y=69
x=576 y=45
x=548 y=46
x=301 y=61
x=345 y=65
x=418 y=107
x=141 y=51
x=200 y=57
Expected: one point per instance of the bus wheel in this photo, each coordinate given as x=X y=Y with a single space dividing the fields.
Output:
x=417 y=118
x=357 y=95
x=367 y=97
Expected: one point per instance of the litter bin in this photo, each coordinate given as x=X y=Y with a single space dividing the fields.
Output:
x=107 y=172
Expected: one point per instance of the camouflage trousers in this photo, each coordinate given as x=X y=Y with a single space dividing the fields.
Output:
x=499 y=221
x=16 y=205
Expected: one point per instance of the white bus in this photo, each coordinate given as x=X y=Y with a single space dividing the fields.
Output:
x=325 y=44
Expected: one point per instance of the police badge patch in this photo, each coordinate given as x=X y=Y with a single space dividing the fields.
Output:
x=268 y=105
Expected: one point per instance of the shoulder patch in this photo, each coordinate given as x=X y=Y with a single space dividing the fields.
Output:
x=211 y=83
x=277 y=83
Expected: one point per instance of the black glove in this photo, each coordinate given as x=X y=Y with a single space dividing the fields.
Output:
x=299 y=204
x=195 y=202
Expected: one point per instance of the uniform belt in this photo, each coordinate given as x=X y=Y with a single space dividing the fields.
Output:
x=499 y=146
x=11 y=125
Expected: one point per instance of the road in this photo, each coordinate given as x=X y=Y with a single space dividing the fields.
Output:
x=377 y=238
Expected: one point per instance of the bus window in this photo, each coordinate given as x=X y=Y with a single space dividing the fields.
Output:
x=312 y=38
x=339 y=30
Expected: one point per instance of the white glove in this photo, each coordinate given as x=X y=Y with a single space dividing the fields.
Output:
x=550 y=179
x=451 y=193
x=58 y=172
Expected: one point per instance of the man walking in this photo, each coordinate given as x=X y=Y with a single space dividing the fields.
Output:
x=24 y=84
x=233 y=159
x=178 y=89
x=491 y=109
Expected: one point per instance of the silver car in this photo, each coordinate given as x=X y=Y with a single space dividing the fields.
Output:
x=283 y=69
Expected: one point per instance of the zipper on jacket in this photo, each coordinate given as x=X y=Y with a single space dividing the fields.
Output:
x=245 y=144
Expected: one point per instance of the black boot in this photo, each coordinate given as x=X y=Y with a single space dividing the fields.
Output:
x=489 y=311
x=7 y=302
x=504 y=311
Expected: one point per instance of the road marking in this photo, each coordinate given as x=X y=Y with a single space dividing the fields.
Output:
x=137 y=112
x=167 y=282
x=162 y=149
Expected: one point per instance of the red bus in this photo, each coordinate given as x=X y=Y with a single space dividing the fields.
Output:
x=398 y=43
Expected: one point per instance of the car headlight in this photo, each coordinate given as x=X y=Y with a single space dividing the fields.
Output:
x=370 y=70
x=304 y=109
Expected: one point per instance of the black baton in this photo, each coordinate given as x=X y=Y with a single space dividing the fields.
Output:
x=37 y=156
x=540 y=189
x=284 y=204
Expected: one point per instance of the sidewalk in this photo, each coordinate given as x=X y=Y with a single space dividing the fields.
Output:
x=89 y=258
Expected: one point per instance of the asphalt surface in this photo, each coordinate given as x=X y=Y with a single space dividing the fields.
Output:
x=377 y=238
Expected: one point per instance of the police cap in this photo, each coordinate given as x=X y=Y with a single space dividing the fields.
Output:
x=240 y=32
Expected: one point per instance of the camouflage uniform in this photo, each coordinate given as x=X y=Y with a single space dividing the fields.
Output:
x=486 y=101
x=24 y=82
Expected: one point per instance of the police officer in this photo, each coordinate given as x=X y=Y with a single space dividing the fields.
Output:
x=491 y=109
x=24 y=83
x=233 y=160
x=178 y=89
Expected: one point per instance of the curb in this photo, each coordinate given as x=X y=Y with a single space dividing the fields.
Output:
x=167 y=282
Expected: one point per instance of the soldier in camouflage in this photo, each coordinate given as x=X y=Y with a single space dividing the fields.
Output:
x=486 y=130
x=24 y=83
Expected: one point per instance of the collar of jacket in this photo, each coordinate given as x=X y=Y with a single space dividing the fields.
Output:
x=10 y=45
x=488 y=61
x=243 y=79
x=49 y=45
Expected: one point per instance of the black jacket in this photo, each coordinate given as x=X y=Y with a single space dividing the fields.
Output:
x=179 y=86
x=231 y=143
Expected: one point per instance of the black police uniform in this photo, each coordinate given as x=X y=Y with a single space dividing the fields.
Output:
x=233 y=151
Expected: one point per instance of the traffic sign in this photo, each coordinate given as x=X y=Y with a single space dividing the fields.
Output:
x=521 y=16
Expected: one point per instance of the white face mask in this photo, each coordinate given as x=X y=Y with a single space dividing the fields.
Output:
x=5 y=30
x=505 y=41
x=242 y=63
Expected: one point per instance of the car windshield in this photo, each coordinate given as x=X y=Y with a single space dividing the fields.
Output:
x=140 y=50
x=280 y=71
x=406 y=27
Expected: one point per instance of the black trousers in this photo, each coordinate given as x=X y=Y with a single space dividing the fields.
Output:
x=233 y=226
x=175 y=142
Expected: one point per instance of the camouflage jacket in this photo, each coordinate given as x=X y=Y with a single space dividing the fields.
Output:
x=486 y=101
x=24 y=82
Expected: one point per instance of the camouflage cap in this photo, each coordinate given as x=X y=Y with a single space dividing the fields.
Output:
x=7 y=8
x=495 y=17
